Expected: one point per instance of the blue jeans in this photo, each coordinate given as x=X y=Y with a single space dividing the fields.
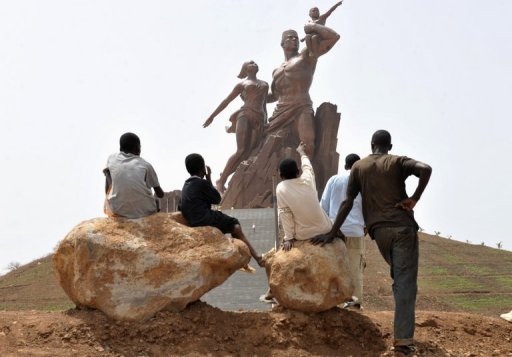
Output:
x=399 y=247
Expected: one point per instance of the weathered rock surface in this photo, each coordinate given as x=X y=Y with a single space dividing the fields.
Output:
x=310 y=278
x=132 y=268
x=251 y=184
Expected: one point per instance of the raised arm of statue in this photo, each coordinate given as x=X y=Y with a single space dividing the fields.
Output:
x=329 y=12
x=234 y=93
x=323 y=40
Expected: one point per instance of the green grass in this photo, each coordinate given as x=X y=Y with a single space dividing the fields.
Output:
x=450 y=284
x=504 y=281
x=50 y=307
x=476 y=269
x=427 y=270
x=479 y=303
x=449 y=258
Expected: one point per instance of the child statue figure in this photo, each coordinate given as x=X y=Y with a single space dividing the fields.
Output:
x=318 y=19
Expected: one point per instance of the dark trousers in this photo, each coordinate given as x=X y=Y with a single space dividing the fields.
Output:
x=399 y=247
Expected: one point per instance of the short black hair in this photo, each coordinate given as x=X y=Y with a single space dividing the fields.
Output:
x=288 y=169
x=351 y=160
x=381 y=138
x=194 y=163
x=129 y=142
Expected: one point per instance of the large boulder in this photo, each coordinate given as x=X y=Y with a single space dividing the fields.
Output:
x=309 y=277
x=132 y=268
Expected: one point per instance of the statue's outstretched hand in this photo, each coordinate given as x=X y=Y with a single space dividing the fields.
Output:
x=207 y=122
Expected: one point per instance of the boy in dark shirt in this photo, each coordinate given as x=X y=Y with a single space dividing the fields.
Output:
x=197 y=197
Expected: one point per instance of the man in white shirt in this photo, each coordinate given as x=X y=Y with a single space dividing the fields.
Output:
x=299 y=211
x=129 y=179
x=353 y=228
x=300 y=214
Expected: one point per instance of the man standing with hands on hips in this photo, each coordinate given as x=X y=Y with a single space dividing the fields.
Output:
x=389 y=217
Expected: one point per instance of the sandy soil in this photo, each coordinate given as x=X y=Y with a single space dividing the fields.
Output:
x=203 y=330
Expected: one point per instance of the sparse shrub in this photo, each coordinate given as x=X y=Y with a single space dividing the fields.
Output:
x=13 y=265
x=437 y=233
x=420 y=229
x=482 y=244
x=499 y=245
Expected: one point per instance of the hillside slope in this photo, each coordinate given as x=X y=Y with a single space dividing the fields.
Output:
x=453 y=276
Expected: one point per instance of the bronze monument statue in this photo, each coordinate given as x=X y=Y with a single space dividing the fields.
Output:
x=255 y=166
x=247 y=122
x=292 y=80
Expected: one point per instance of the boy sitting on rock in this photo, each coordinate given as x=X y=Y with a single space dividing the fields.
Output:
x=300 y=214
x=129 y=179
x=198 y=195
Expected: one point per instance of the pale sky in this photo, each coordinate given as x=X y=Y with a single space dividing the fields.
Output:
x=75 y=75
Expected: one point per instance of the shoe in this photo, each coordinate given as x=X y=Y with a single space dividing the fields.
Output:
x=507 y=317
x=266 y=299
x=405 y=351
x=353 y=303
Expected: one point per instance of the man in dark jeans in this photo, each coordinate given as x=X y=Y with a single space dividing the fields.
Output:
x=389 y=217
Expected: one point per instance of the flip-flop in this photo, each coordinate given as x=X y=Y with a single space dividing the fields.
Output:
x=264 y=298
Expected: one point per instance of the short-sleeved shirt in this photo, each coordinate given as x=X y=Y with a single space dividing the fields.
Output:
x=335 y=193
x=380 y=178
x=132 y=179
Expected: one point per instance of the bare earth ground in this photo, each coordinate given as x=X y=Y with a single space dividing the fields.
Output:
x=462 y=290
x=202 y=330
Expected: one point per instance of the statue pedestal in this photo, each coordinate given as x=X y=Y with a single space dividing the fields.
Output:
x=251 y=184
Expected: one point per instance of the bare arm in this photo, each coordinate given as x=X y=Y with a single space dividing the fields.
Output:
x=159 y=192
x=208 y=173
x=423 y=171
x=108 y=180
x=272 y=97
x=234 y=93
x=343 y=212
x=326 y=38
x=329 y=12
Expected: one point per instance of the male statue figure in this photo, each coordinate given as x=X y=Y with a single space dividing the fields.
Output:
x=292 y=80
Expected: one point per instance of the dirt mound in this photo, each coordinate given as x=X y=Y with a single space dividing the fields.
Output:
x=203 y=330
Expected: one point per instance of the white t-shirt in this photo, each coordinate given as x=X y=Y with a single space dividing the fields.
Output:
x=334 y=194
x=132 y=180
x=299 y=211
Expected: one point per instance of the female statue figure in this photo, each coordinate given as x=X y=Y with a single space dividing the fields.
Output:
x=247 y=122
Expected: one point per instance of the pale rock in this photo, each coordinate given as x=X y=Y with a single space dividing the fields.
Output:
x=310 y=278
x=132 y=268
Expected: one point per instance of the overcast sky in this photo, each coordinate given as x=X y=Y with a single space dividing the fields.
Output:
x=75 y=75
